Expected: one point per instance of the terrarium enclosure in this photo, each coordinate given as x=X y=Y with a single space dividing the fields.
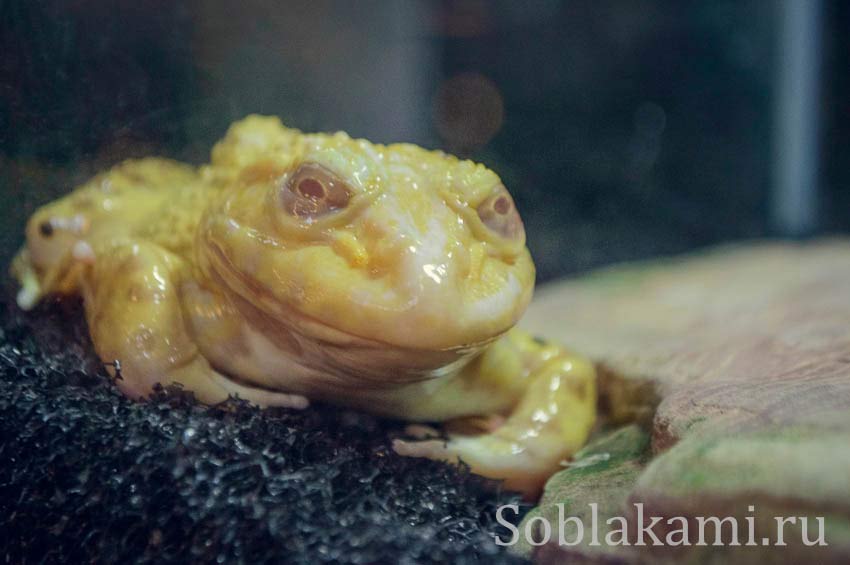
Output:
x=625 y=132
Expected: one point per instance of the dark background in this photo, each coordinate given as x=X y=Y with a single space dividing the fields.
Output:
x=624 y=129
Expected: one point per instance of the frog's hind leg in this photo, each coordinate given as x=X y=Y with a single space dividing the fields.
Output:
x=550 y=422
x=133 y=308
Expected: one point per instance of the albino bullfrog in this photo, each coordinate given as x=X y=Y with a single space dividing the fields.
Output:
x=297 y=267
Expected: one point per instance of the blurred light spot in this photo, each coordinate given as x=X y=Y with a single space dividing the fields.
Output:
x=468 y=111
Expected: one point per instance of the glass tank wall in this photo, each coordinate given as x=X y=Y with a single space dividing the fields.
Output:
x=625 y=130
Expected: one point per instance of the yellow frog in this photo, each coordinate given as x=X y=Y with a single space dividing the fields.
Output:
x=312 y=266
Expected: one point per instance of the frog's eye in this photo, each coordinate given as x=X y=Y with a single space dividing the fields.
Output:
x=313 y=191
x=45 y=228
x=498 y=213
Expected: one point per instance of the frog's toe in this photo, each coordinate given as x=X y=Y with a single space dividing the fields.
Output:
x=421 y=431
x=430 y=448
x=486 y=455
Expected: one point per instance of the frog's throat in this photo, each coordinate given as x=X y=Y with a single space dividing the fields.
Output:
x=328 y=349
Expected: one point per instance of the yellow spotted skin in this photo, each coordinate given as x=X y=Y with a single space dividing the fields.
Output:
x=296 y=267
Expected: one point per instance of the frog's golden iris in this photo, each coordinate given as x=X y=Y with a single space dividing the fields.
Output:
x=311 y=266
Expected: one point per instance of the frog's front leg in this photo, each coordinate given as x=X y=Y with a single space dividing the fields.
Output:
x=131 y=293
x=553 y=413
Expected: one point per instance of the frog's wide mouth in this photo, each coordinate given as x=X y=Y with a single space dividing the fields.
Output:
x=330 y=348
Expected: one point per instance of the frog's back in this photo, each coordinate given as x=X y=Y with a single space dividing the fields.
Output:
x=155 y=200
x=173 y=221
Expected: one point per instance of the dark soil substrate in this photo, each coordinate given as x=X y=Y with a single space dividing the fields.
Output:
x=86 y=475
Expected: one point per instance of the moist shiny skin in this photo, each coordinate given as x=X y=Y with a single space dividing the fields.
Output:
x=297 y=267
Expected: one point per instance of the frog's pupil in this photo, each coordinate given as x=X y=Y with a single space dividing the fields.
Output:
x=311 y=188
x=46 y=229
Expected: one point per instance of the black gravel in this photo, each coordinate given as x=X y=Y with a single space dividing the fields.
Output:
x=86 y=475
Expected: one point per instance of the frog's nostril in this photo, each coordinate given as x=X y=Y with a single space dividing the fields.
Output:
x=499 y=214
x=46 y=228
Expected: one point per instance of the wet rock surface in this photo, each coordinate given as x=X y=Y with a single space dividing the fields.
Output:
x=736 y=362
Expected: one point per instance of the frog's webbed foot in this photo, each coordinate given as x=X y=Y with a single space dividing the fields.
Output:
x=135 y=316
x=551 y=422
